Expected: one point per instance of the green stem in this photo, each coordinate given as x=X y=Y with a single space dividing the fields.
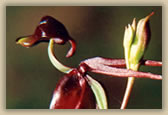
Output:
x=54 y=60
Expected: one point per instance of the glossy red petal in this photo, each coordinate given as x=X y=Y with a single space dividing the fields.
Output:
x=73 y=92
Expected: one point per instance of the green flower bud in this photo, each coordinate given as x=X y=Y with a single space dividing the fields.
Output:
x=135 y=41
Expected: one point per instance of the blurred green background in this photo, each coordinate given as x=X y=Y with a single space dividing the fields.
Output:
x=98 y=31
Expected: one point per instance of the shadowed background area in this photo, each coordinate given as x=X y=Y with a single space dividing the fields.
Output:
x=98 y=31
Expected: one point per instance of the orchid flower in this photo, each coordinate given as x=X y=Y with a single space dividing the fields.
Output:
x=77 y=89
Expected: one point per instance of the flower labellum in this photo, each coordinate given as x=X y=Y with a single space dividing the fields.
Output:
x=73 y=92
x=48 y=28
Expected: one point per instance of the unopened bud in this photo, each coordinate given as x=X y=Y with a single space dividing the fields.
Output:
x=136 y=40
x=141 y=40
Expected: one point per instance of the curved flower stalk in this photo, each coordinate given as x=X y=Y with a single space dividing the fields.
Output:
x=77 y=90
x=55 y=61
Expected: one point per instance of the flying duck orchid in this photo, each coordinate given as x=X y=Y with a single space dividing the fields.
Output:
x=77 y=89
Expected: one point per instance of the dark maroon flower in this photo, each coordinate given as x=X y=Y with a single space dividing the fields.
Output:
x=49 y=28
x=73 y=92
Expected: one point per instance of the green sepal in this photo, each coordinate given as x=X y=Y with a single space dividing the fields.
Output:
x=98 y=92
x=128 y=39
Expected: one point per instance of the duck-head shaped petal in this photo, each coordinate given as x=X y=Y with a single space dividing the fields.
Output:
x=48 y=28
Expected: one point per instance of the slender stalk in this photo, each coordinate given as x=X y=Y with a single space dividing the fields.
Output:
x=129 y=87
x=128 y=90
x=54 y=60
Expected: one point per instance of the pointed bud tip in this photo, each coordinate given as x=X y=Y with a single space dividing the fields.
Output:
x=134 y=24
x=134 y=21
x=152 y=13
